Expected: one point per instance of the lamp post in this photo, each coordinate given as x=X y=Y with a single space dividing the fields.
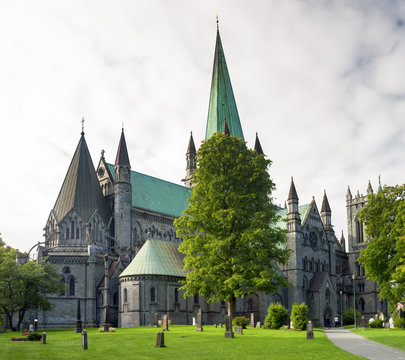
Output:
x=341 y=308
x=354 y=300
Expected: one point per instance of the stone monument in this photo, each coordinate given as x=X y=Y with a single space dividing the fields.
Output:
x=252 y=320
x=160 y=339
x=79 y=326
x=239 y=330
x=310 y=332
x=156 y=320
x=165 y=323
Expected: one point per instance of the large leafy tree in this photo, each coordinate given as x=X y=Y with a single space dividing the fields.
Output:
x=384 y=257
x=24 y=287
x=230 y=239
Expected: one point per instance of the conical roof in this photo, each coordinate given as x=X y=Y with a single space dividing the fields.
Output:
x=156 y=257
x=292 y=195
x=81 y=190
x=325 y=204
x=191 y=146
x=122 y=157
x=222 y=101
x=258 y=146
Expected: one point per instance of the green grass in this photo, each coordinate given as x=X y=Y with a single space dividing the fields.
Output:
x=390 y=337
x=183 y=342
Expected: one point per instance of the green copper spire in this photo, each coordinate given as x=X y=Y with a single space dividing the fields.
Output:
x=222 y=101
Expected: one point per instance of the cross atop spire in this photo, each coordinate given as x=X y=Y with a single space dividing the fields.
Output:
x=82 y=133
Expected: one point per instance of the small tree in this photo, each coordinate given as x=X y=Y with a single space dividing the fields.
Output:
x=24 y=287
x=241 y=321
x=275 y=316
x=348 y=316
x=299 y=316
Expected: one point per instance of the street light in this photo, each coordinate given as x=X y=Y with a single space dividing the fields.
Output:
x=354 y=300
x=341 y=308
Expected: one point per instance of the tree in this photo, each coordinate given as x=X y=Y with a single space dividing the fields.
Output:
x=299 y=316
x=230 y=240
x=384 y=256
x=24 y=287
x=276 y=315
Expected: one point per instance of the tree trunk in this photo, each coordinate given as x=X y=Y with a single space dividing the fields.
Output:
x=9 y=318
x=21 y=314
x=231 y=302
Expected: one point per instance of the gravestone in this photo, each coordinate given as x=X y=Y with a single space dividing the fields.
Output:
x=228 y=328
x=165 y=323
x=199 y=320
x=194 y=321
x=31 y=328
x=220 y=325
x=156 y=320
x=79 y=326
x=160 y=339
x=215 y=326
x=238 y=330
x=84 y=340
x=259 y=325
x=44 y=338
x=310 y=332
x=391 y=323
x=252 y=320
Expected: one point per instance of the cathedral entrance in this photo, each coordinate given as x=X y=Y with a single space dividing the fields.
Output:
x=327 y=318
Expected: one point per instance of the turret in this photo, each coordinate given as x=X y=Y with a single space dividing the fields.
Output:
x=349 y=194
x=293 y=217
x=326 y=213
x=369 y=188
x=123 y=197
x=258 y=146
x=190 y=159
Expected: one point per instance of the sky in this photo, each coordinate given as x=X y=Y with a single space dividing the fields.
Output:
x=322 y=82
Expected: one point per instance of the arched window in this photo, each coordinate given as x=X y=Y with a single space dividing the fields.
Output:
x=62 y=292
x=71 y=286
x=317 y=266
x=359 y=231
x=305 y=263
x=72 y=229
x=115 y=298
x=196 y=299
x=361 y=304
x=250 y=305
x=77 y=233
x=311 y=265
x=67 y=233
x=305 y=283
x=327 y=296
x=152 y=294
x=125 y=296
x=324 y=266
x=176 y=295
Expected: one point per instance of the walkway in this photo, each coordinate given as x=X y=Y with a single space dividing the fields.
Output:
x=360 y=346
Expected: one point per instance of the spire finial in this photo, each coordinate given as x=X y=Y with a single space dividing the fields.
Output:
x=82 y=126
x=122 y=126
x=217 y=20
x=379 y=183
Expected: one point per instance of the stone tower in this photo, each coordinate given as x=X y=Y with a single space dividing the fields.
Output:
x=326 y=217
x=367 y=300
x=294 y=240
x=122 y=197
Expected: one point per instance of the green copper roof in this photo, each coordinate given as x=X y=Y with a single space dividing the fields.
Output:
x=222 y=101
x=158 y=195
x=156 y=257
x=81 y=190
x=302 y=209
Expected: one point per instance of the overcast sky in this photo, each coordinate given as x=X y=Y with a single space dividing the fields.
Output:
x=322 y=82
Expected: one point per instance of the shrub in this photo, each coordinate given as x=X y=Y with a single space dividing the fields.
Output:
x=399 y=322
x=34 y=337
x=275 y=316
x=377 y=323
x=241 y=321
x=299 y=316
x=348 y=316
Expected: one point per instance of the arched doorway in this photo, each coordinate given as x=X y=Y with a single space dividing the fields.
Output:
x=327 y=317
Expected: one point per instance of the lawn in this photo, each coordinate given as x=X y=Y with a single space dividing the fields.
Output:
x=183 y=342
x=390 y=337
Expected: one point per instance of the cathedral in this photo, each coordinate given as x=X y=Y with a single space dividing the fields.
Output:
x=111 y=235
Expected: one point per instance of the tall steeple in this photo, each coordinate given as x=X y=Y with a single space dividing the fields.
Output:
x=222 y=101
x=293 y=216
x=190 y=159
x=326 y=213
